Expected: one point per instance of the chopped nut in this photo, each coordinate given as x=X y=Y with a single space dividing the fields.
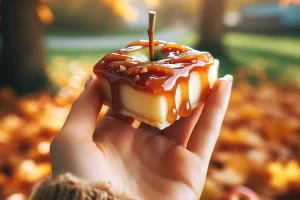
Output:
x=136 y=78
x=102 y=61
x=122 y=68
x=128 y=60
x=144 y=70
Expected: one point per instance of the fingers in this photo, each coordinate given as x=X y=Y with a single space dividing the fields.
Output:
x=207 y=129
x=81 y=121
x=181 y=130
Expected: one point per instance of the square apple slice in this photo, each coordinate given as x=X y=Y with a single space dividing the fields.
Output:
x=159 y=92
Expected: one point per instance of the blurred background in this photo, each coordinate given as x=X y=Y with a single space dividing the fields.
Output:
x=49 y=47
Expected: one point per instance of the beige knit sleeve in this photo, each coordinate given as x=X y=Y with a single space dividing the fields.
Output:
x=67 y=187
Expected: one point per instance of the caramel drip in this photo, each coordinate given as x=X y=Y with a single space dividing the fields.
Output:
x=172 y=111
x=204 y=83
x=115 y=96
x=159 y=77
x=185 y=106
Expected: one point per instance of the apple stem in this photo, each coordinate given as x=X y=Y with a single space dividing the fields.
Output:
x=152 y=17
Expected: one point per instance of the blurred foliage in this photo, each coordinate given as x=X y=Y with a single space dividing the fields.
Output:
x=44 y=13
x=93 y=15
x=126 y=10
x=236 y=5
x=81 y=15
x=172 y=12
x=258 y=146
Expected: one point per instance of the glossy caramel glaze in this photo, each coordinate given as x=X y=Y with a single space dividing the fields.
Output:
x=159 y=77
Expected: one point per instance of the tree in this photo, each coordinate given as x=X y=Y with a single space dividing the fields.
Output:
x=212 y=28
x=22 y=63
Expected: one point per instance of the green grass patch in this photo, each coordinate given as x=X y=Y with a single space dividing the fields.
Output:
x=279 y=55
x=64 y=63
x=96 y=54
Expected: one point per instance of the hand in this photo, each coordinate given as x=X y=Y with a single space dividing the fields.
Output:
x=146 y=161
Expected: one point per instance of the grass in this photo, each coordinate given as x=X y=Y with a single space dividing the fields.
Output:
x=96 y=54
x=61 y=62
x=278 y=54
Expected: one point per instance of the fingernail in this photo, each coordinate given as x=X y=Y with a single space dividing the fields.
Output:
x=228 y=77
x=88 y=81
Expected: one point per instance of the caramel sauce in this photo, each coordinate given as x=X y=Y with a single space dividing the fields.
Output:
x=159 y=77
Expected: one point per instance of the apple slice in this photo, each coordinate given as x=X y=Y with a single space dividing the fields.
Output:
x=159 y=92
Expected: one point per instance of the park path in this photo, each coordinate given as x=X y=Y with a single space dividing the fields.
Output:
x=109 y=42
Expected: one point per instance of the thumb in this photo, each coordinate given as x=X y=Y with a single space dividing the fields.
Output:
x=81 y=121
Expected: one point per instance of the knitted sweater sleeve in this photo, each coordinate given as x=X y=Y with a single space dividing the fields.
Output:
x=67 y=186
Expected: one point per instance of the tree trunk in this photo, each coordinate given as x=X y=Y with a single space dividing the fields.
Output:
x=22 y=65
x=212 y=28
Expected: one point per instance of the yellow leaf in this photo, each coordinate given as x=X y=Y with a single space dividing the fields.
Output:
x=44 y=14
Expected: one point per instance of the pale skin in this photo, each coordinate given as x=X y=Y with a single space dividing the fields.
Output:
x=147 y=162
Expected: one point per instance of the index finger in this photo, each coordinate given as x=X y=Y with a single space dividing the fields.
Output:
x=81 y=121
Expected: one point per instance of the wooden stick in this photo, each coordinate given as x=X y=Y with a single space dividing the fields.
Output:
x=152 y=17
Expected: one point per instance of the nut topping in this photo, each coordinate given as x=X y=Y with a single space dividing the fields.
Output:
x=122 y=68
x=136 y=78
x=144 y=70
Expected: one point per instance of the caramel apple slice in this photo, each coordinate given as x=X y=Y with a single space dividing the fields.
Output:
x=156 y=92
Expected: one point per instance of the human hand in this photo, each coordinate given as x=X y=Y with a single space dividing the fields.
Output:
x=152 y=164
